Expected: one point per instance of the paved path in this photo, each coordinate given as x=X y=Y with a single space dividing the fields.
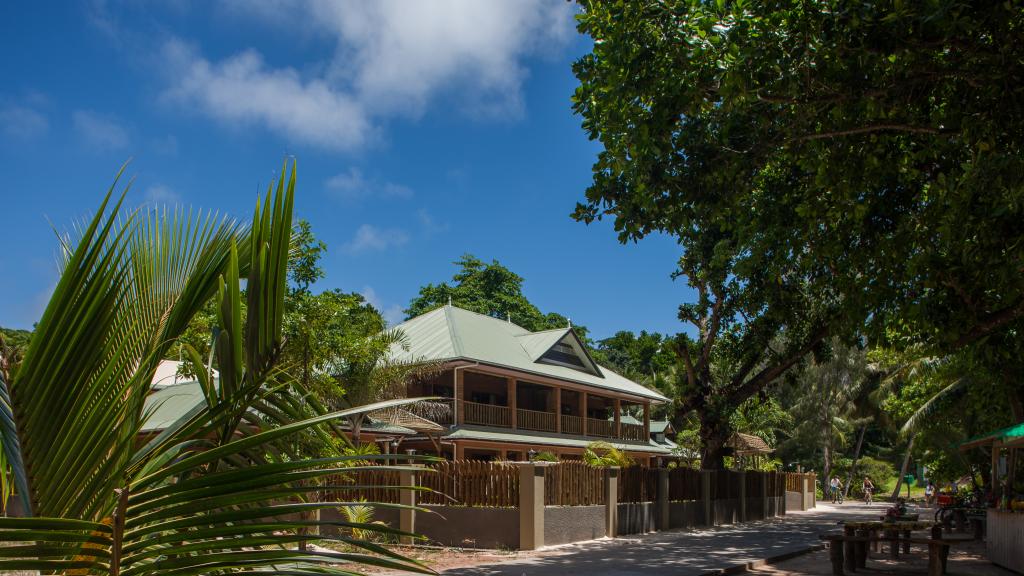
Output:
x=681 y=553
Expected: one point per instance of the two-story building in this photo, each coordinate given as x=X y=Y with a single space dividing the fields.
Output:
x=510 y=391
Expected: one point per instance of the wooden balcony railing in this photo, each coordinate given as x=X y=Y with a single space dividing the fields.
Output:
x=487 y=414
x=631 y=432
x=501 y=416
x=572 y=424
x=603 y=428
x=534 y=420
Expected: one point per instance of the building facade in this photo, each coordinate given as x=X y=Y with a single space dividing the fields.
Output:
x=502 y=392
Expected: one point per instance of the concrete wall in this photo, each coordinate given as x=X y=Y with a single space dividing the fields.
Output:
x=810 y=501
x=639 y=518
x=793 y=501
x=565 y=524
x=687 y=514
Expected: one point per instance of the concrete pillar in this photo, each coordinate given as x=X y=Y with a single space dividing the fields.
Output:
x=743 y=495
x=407 y=516
x=804 y=481
x=705 y=497
x=611 y=510
x=664 y=510
x=531 y=505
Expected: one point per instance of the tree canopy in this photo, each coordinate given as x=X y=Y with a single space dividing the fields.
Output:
x=491 y=289
x=876 y=146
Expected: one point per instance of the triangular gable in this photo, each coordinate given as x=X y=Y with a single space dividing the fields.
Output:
x=570 y=352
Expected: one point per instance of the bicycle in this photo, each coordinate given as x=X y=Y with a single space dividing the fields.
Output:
x=869 y=496
x=837 y=495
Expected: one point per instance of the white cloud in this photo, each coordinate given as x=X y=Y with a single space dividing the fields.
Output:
x=22 y=123
x=430 y=225
x=162 y=194
x=370 y=238
x=241 y=89
x=393 y=314
x=351 y=185
x=100 y=131
x=389 y=58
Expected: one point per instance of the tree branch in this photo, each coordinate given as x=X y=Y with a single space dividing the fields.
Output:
x=767 y=375
x=869 y=129
x=691 y=376
x=990 y=324
x=711 y=333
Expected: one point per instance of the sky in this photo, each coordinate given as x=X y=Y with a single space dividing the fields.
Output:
x=421 y=130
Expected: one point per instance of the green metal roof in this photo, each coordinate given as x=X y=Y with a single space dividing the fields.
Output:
x=527 y=437
x=1006 y=435
x=167 y=405
x=451 y=333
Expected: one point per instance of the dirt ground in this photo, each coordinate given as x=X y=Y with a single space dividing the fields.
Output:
x=964 y=559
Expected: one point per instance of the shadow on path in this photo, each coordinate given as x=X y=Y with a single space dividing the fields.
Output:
x=682 y=552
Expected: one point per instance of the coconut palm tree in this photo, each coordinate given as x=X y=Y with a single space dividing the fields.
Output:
x=217 y=491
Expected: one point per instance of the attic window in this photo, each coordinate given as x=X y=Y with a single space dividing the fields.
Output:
x=562 y=353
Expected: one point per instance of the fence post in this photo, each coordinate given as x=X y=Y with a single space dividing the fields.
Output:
x=743 y=495
x=664 y=512
x=705 y=496
x=803 y=491
x=407 y=516
x=531 y=505
x=769 y=500
x=611 y=501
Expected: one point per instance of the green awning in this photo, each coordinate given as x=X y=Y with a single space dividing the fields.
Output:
x=1009 y=435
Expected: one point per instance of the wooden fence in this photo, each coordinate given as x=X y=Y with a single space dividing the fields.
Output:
x=684 y=484
x=637 y=484
x=794 y=481
x=568 y=483
x=574 y=484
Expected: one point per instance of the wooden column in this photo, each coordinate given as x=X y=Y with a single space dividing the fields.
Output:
x=512 y=402
x=459 y=400
x=558 y=410
x=460 y=451
x=618 y=416
x=583 y=410
x=647 y=420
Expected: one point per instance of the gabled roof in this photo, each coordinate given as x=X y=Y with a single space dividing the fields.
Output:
x=748 y=444
x=451 y=333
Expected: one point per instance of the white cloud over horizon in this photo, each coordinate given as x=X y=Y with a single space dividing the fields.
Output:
x=393 y=314
x=22 y=123
x=100 y=131
x=370 y=238
x=389 y=59
x=352 y=185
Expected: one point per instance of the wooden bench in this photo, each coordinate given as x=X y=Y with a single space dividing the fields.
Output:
x=849 y=551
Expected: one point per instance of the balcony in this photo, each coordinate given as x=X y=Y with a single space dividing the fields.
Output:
x=534 y=420
x=487 y=414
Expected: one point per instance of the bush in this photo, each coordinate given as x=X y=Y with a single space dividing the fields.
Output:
x=881 y=473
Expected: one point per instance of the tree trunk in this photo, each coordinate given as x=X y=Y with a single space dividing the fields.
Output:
x=856 y=458
x=903 y=470
x=713 y=440
x=357 y=427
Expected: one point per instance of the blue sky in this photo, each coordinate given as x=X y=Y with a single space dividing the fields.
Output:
x=422 y=131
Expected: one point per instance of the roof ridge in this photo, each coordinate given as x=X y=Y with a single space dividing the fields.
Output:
x=452 y=333
x=487 y=316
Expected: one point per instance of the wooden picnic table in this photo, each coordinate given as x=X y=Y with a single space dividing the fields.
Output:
x=850 y=550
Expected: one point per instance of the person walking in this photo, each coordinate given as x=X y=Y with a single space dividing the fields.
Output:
x=929 y=493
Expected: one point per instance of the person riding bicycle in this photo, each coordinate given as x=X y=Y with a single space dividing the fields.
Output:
x=836 y=486
x=868 y=487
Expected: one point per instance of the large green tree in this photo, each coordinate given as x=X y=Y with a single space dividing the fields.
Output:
x=491 y=289
x=877 y=145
